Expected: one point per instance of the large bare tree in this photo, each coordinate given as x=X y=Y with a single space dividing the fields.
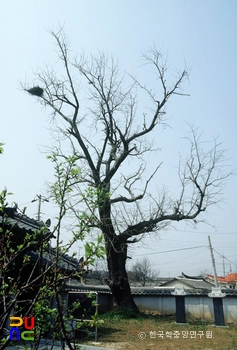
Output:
x=96 y=113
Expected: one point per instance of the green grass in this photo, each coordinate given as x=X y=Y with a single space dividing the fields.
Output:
x=121 y=331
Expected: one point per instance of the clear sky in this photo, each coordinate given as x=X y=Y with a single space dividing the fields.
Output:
x=202 y=34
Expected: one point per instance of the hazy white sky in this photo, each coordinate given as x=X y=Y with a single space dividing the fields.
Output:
x=201 y=33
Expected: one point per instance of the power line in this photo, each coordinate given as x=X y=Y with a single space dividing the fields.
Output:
x=222 y=256
x=204 y=232
x=177 y=260
x=174 y=250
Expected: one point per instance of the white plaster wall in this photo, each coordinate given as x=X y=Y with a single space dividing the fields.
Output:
x=197 y=307
x=160 y=304
x=230 y=309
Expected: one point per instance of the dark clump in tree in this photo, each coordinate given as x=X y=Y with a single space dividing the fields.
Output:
x=36 y=91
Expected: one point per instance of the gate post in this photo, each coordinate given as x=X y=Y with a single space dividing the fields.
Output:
x=217 y=297
x=179 y=294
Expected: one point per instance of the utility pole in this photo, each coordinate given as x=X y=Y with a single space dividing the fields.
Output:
x=216 y=294
x=79 y=251
x=213 y=262
x=223 y=264
x=40 y=199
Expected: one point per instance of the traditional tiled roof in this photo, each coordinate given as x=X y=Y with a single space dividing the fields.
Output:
x=65 y=262
x=189 y=283
x=20 y=221
x=192 y=277
x=77 y=286
x=230 y=278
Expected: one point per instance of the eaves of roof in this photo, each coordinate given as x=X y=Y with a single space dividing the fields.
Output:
x=21 y=221
x=64 y=262
x=88 y=289
x=192 y=277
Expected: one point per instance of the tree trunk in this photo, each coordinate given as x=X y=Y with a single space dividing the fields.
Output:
x=118 y=279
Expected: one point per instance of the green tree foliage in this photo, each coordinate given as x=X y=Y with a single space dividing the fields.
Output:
x=1 y=147
x=40 y=292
